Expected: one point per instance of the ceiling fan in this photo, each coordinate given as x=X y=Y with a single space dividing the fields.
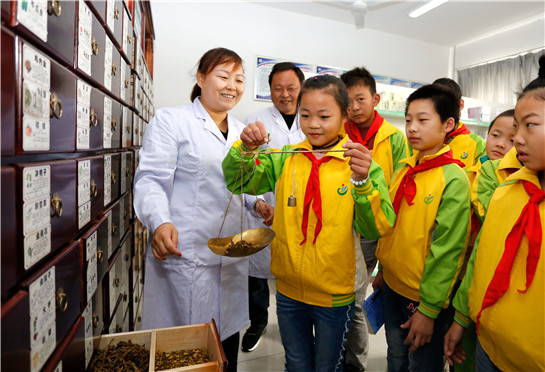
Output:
x=359 y=8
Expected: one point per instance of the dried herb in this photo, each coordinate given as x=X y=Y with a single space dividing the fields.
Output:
x=241 y=247
x=125 y=356
x=181 y=358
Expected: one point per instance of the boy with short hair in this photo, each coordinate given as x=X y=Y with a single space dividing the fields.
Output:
x=422 y=258
x=466 y=146
x=388 y=147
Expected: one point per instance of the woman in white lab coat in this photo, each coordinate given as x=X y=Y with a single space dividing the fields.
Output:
x=180 y=195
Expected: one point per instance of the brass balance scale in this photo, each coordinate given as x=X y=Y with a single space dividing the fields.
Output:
x=251 y=241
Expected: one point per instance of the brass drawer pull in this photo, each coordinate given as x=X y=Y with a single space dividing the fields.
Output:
x=94 y=45
x=114 y=69
x=128 y=129
x=93 y=118
x=55 y=105
x=100 y=255
x=126 y=83
x=113 y=178
x=116 y=12
x=141 y=132
x=95 y=320
x=127 y=171
x=129 y=39
x=116 y=282
x=94 y=189
x=114 y=229
x=126 y=257
x=56 y=203
x=114 y=125
x=55 y=8
x=118 y=329
x=62 y=300
x=125 y=296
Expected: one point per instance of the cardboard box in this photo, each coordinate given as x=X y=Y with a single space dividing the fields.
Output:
x=174 y=339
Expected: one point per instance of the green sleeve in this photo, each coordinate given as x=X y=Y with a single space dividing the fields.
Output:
x=400 y=150
x=374 y=214
x=450 y=235
x=256 y=178
x=460 y=301
x=484 y=186
x=480 y=151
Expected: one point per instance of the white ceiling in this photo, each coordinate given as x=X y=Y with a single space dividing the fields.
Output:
x=453 y=23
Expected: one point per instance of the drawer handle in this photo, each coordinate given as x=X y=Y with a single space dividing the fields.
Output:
x=116 y=12
x=127 y=171
x=56 y=203
x=138 y=95
x=94 y=189
x=139 y=319
x=94 y=45
x=93 y=118
x=62 y=300
x=95 y=320
x=114 y=229
x=125 y=296
x=141 y=132
x=55 y=105
x=114 y=69
x=116 y=282
x=118 y=329
x=129 y=39
x=135 y=130
x=113 y=178
x=55 y=8
x=128 y=129
x=100 y=255
x=126 y=83
x=114 y=125
x=126 y=257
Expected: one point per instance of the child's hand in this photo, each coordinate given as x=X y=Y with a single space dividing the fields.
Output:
x=165 y=241
x=254 y=135
x=420 y=330
x=266 y=211
x=453 y=349
x=378 y=282
x=360 y=160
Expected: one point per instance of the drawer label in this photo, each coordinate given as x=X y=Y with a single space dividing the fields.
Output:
x=108 y=64
x=83 y=118
x=33 y=15
x=82 y=137
x=121 y=218
x=42 y=351
x=85 y=30
x=36 y=215
x=110 y=21
x=35 y=100
x=107 y=179
x=59 y=367
x=41 y=290
x=92 y=265
x=36 y=182
x=84 y=214
x=36 y=67
x=40 y=322
x=84 y=94
x=123 y=172
x=37 y=245
x=110 y=248
x=107 y=128
x=88 y=325
x=126 y=35
x=122 y=89
x=84 y=181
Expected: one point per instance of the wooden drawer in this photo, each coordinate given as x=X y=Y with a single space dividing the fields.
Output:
x=127 y=44
x=112 y=213
x=126 y=171
x=91 y=182
x=70 y=354
x=125 y=82
x=10 y=103
x=95 y=260
x=116 y=124
x=126 y=133
x=111 y=177
x=98 y=8
x=91 y=45
x=98 y=118
x=9 y=232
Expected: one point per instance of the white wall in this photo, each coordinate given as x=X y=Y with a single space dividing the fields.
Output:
x=185 y=30
x=512 y=42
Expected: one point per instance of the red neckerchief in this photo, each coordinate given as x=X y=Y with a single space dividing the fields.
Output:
x=529 y=222
x=313 y=192
x=407 y=187
x=354 y=133
x=462 y=129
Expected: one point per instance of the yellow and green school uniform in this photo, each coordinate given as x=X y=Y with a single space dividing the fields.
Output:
x=466 y=146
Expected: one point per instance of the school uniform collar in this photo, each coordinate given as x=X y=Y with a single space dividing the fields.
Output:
x=524 y=174
x=384 y=131
x=413 y=159
x=305 y=145
x=208 y=122
x=510 y=161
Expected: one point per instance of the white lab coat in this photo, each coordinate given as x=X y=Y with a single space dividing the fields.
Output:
x=180 y=180
x=260 y=263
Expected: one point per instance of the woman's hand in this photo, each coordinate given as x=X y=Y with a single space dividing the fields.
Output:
x=165 y=241
x=360 y=160
x=265 y=211
x=453 y=349
x=254 y=135
x=420 y=330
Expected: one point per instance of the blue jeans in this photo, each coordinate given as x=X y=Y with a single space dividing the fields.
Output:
x=482 y=360
x=313 y=336
x=427 y=358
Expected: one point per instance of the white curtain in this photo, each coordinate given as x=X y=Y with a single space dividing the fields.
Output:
x=500 y=81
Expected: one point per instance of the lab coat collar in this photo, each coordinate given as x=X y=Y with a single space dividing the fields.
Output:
x=277 y=115
x=210 y=125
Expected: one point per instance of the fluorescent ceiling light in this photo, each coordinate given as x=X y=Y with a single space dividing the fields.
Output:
x=426 y=8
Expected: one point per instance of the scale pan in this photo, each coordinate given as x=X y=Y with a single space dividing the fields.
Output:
x=253 y=241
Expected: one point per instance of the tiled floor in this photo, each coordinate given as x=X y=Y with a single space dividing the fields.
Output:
x=269 y=355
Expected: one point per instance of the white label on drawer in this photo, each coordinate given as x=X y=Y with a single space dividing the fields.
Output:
x=41 y=290
x=92 y=264
x=41 y=320
x=82 y=137
x=85 y=31
x=107 y=179
x=110 y=21
x=88 y=326
x=84 y=94
x=107 y=128
x=59 y=367
x=35 y=134
x=123 y=172
x=40 y=354
x=84 y=214
x=35 y=100
x=122 y=89
x=126 y=130
x=36 y=182
x=126 y=35
x=36 y=67
x=110 y=248
x=37 y=245
x=84 y=181
x=108 y=64
x=33 y=15
x=36 y=215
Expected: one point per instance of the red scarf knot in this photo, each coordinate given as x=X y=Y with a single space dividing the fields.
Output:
x=312 y=192
x=354 y=133
x=407 y=187
x=529 y=222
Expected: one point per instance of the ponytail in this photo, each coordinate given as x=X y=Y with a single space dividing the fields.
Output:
x=195 y=92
